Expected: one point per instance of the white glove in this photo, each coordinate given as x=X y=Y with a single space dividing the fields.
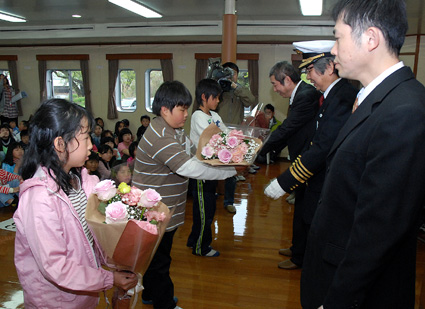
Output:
x=274 y=190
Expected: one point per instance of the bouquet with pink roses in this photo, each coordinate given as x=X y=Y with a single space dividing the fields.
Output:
x=233 y=148
x=128 y=223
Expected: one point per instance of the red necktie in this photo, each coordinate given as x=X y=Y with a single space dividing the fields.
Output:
x=355 y=105
x=322 y=98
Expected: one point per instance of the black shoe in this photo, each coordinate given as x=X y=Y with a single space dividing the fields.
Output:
x=15 y=202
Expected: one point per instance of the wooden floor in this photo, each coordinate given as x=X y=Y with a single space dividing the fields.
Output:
x=246 y=273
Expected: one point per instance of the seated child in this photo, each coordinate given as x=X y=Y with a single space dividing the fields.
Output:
x=9 y=188
x=5 y=139
x=110 y=141
x=12 y=161
x=125 y=139
x=96 y=135
x=92 y=164
x=25 y=139
x=105 y=161
x=144 y=120
x=15 y=130
x=121 y=172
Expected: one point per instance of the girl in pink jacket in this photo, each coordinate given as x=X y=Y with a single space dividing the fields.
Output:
x=56 y=256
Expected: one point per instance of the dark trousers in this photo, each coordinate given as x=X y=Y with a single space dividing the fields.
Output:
x=300 y=229
x=204 y=205
x=229 y=191
x=157 y=282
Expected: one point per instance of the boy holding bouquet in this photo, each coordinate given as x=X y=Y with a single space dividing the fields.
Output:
x=204 y=200
x=163 y=163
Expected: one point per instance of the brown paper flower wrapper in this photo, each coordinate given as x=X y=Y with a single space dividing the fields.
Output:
x=205 y=138
x=126 y=245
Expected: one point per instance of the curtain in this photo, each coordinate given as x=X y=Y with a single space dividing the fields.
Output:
x=42 y=71
x=14 y=78
x=201 y=69
x=113 y=74
x=253 y=77
x=167 y=70
x=84 y=65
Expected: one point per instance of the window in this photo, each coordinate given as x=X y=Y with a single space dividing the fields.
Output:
x=125 y=91
x=66 y=84
x=243 y=80
x=7 y=74
x=153 y=79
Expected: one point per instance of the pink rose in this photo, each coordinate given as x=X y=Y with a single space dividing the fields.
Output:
x=237 y=157
x=236 y=133
x=232 y=141
x=224 y=156
x=148 y=227
x=154 y=215
x=133 y=196
x=207 y=152
x=215 y=140
x=243 y=147
x=116 y=212
x=149 y=198
x=105 y=190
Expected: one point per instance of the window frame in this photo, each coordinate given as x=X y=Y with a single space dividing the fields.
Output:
x=50 y=86
x=118 y=102
x=148 y=103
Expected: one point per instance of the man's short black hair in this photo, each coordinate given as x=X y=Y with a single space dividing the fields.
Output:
x=389 y=16
x=231 y=65
x=170 y=95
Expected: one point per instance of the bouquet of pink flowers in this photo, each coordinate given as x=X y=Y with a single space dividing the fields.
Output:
x=128 y=223
x=216 y=147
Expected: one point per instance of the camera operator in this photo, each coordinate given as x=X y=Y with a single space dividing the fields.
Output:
x=233 y=101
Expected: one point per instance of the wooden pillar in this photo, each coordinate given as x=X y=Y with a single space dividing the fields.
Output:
x=229 y=33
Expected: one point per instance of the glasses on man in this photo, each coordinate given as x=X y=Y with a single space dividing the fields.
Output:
x=307 y=69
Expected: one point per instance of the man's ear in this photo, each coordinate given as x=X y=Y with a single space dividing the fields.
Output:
x=59 y=144
x=373 y=38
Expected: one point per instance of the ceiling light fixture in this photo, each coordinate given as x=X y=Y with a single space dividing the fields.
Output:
x=311 y=7
x=12 y=18
x=136 y=8
x=76 y=16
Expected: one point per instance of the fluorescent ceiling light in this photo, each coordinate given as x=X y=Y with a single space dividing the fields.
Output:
x=136 y=8
x=311 y=7
x=11 y=18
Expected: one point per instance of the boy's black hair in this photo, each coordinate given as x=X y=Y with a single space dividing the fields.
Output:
x=270 y=107
x=107 y=139
x=54 y=118
x=145 y=117
x=8 y=159
x=97 y=119
x=131 y=148
x=26 y=123
x=170 y=95
x=24 y=133
x=123 y=132
x=93 y=156
x=126 y=122
x=208 y=87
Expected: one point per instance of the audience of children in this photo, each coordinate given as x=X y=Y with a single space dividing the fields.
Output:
x=144 y=120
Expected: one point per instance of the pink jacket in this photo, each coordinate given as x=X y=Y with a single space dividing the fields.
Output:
x=56 y=265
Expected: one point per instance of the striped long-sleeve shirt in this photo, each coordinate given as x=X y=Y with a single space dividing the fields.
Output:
x=5 y=177
x=159 y=155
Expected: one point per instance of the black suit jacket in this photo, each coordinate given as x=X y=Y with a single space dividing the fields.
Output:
x=361 y=249
x=310 y=166
x=297 y=130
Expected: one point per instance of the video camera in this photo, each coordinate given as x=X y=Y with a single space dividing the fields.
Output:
x=222 y=75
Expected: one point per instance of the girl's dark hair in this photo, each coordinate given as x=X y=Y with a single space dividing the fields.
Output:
x=117 y=125
x=170 y=95
x=54 y=118
x=104 y=132
x=107 y=139
x=131 y=148
x=8 y=159
x=104 y=149
x=123 y=132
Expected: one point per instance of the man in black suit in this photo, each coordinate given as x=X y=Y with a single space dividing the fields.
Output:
x=361 y=249
x=298 y=128
x=307 y=173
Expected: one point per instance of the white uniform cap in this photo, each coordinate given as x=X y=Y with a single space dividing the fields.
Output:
x=313 y=50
